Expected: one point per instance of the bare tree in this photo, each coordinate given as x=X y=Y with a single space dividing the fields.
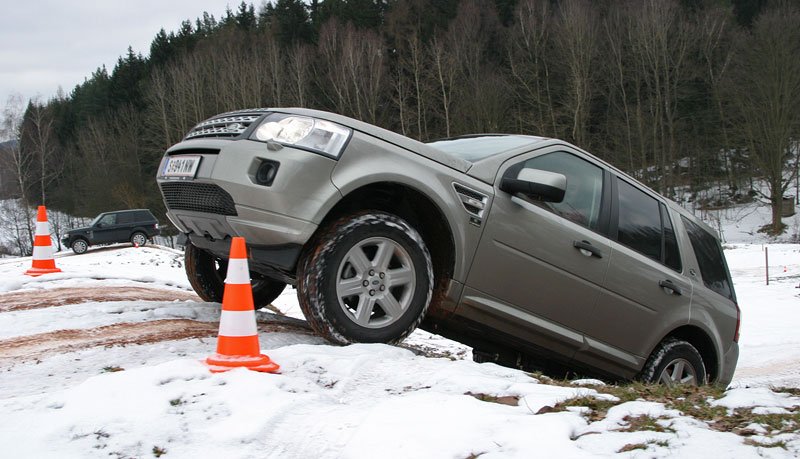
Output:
x=298 y=60
x=352 y=70
x=765 y=93
x=22 y=166
x=576 y=39
x=38 y=135
x=530 y=66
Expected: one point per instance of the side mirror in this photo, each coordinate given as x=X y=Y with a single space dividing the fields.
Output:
x=99 y=225
x=538 y=184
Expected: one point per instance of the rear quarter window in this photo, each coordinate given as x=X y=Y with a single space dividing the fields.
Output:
x=144 y=216
x=123 y=218
x=709 y=255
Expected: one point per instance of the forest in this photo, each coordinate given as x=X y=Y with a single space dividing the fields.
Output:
x=682 y=94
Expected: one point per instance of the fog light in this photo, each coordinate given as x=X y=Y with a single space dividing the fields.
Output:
x=266 y=172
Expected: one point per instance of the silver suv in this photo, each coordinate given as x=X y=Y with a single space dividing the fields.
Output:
x=534 y=252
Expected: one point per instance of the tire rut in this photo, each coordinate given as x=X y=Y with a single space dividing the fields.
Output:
x=37 y=299
x=61 y=341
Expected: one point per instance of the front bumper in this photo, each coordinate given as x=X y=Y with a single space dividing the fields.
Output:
x=225 y=199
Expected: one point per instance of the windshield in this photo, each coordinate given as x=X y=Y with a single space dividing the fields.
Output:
x=96 y=219
x=479 y=147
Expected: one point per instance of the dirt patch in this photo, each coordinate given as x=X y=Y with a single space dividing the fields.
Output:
x=63 y=296
x=35 y=346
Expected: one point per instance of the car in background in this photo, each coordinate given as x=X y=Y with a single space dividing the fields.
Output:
x=531 y=250
x=136 y=226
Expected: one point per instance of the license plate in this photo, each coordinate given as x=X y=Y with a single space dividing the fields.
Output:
x=181 y=166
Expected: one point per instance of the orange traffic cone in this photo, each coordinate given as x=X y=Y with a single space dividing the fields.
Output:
x=43 y=262
x=237 y=344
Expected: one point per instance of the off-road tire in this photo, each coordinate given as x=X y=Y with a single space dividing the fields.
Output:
x=319 y=273
x=79 y=246
x=207 y=277
x=138 y=238
x=668 y=353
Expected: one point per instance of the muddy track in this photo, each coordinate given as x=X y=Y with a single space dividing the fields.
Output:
x=35 y=346
x=63 y=296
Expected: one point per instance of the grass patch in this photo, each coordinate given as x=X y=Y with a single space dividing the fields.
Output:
x=176 y=402
x=645 y=423
x=690 y=401
x=632 y=447
x=112 y=369
x=510 y=400
x=159 y=451
x=761 y=444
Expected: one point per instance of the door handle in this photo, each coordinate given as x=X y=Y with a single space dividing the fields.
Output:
x=668 y=285
x=587 y=249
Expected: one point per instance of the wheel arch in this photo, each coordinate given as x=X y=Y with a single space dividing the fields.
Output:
x=702 y=341
x=417 y=209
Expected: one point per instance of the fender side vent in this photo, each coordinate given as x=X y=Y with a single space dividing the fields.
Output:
x=474 y=202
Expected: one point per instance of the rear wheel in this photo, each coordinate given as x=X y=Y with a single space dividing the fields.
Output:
x=675 y=362
x=367 y=278
x=207 y=274
x=139 y=239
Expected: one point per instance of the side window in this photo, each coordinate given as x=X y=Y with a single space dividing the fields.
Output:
x=639 y=221
x=581 y=202
x=672 y=256
x=109 y=219
x=709 y=256
x=125 y=218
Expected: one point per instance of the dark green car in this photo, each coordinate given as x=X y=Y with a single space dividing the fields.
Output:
x=529 y=249
x=136 y=226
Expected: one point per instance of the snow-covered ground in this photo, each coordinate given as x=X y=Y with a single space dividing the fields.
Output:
x=73 y=385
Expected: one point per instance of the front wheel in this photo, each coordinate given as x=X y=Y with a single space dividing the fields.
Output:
x=675 y=362
x=366 y=277
x=207 y=277
x=79 y=246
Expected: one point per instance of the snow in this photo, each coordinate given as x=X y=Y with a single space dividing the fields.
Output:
x=358 y=401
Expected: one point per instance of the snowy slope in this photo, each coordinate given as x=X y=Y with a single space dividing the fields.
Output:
x=82 y=379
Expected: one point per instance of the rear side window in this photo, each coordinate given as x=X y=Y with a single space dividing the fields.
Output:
x=672 y=257
x=125 y=218
x=144 y=216
x=709 y=256
x=645 y=227
x=639 y=221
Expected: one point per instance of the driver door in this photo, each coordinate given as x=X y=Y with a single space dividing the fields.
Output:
x=104 y=230
x=540 y=266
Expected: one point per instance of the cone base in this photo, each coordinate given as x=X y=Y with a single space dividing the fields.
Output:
x=39 y=271
x=218 y=363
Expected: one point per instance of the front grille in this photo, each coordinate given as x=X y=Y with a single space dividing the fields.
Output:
x=198 y=197
x=230 y=124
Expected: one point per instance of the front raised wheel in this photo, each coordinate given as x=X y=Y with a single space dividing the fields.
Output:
x=367 y=278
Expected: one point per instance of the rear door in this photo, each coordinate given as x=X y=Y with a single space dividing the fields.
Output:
x=645 y=292
x=530 y=277
x=125 y=224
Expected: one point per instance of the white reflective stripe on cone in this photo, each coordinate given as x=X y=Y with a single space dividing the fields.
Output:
x=44 y=252
x=238 y=272
x=237 y=323
x=42 y=229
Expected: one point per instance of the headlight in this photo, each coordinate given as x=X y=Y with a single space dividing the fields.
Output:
x=303 y=132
